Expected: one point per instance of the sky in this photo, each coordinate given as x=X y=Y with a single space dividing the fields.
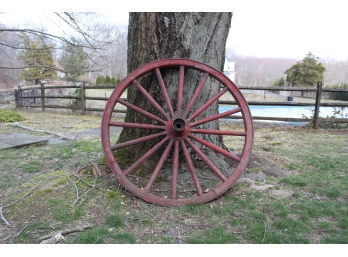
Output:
x=261 y=28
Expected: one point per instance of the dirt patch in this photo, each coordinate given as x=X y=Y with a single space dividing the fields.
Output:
x=281 y=193
x=266 y=167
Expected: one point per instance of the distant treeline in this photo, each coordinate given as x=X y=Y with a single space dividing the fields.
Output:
x=264 y=71
x=101 y=80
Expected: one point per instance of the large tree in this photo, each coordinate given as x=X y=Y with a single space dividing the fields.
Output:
x=173 y=104
x=196 y=36
x=307 y=73
x=153 y=36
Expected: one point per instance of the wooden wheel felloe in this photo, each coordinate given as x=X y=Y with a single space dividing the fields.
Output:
x=177 y=132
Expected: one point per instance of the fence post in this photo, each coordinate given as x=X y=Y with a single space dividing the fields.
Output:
x=20 y=103
x=83 y=98
x=42 y=96
x=16 y=97
x=317 y=106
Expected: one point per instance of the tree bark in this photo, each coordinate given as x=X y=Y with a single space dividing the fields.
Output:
x=153 y=36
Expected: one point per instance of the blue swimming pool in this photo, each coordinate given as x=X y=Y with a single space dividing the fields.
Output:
x=282 y=111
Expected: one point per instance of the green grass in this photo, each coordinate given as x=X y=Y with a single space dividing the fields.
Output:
x=94 y=236
x=64 y=212
x=316 y=212
x=217 y=235
x=27 y=237
x=113 y=221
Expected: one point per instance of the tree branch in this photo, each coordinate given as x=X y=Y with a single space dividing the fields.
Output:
x=47 y=67
x=41 y=33
x=68 y=231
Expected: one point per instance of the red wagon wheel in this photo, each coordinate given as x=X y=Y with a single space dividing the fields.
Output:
x=180 y=135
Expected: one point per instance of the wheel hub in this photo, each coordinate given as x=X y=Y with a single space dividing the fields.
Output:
x=178 y=128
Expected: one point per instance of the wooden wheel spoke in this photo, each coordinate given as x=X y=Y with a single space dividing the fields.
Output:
x=206 y=160
x=135 y=125
x=137 y=141
x=150 y=98
x=159 y=166
x=180 y=89
x=191 y=168
x=216 y=148
x=215 y=117
x=175 y=169
x=207 y=104
x=195 y=96
x=164 y=91
x=145 y=156
x=219 y=132
x=137 y=109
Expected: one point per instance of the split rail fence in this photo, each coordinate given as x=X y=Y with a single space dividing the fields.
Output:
x=36 y=97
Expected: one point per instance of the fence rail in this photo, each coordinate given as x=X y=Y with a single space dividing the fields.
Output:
x=38 y=97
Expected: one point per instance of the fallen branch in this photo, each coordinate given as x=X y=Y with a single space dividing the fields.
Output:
x=77 y=190
x=16 y=124
x=53 y=240
x=68 y=231
x=13 y=203
x=84 y=181
x=95 y=170
x=3 y=218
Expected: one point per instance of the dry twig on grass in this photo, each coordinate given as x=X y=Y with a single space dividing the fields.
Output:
x=77 y=190
x=8 y=205
x=266 y=226
x=49 y=239
x=20 y=232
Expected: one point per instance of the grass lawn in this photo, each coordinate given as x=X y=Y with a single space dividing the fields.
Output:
x=307 y=207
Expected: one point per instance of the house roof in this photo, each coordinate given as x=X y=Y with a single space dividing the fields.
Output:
x=228 y=59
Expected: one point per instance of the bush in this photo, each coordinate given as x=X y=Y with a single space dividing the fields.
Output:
x=76 y=102
x=10 y=116
x=101 y=80
x=339 y=95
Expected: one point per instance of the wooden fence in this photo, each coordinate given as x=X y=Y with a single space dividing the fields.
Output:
x=38 y=97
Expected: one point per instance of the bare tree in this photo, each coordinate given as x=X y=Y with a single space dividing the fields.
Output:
x=8 y=77
x=336 y=72
x=90 y=31
x=258 y=72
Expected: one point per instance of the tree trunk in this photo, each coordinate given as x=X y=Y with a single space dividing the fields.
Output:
x=153 y=36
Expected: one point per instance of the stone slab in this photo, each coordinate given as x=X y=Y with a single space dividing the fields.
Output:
x=15 y=140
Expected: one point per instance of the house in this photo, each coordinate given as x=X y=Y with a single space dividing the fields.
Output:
x=229 y=69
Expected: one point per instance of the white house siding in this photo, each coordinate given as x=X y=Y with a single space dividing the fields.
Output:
x=229 y=69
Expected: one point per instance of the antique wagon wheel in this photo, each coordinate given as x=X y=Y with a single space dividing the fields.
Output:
x=178 y=136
